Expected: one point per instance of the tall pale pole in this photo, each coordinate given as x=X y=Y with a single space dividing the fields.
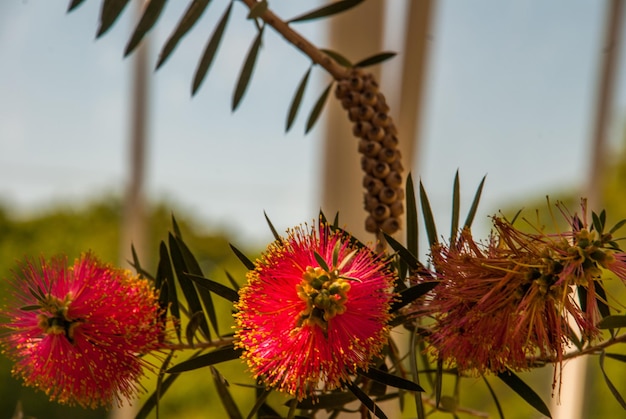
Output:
x=133 y=229
x=572 y=397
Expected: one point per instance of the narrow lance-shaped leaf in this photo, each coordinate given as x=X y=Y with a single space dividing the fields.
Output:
x=472 y=212
x=390 y=379
x=223 y=354
x=209 y=52
x=74 y=4
x=317 y=109
x=222 y=390
x=456 y=198
x=111 y=10
x=429 y=220
x=257 y=10
x=341 y=60
x=375 y=59
x=272 y=229
x=243 y=258
x=612 y=322
x=297 y=100
x=412 y=237
x=161 y=388
x=213 y=286
x=367 y=402
x=524 y=391
x=617 y=226
x=165 y=274
x=189 y=19
x=186 y=285
x=610 y=384
x=405 y=255
x=326 y=11
x=494 y=397
x=246 y=71
x=148 y=19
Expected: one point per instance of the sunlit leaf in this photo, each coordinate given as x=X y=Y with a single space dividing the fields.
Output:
x=148 y=19
x=297 y=100
x=429 y=220
x=326 y=11
x=246 y=71
x=390 y=379
x=524 y=391
x=340 y=59
x=74 y=4
x=375 y=59
x=223 y=354
x=317 y=109
x=189 y=19
x=367 y=402
x=610 y=385
x=222 y=390
x=243 y=258
x=111 y=10
x=212 y=286
x=257 y=10
x=472 y=212
x=209 y=52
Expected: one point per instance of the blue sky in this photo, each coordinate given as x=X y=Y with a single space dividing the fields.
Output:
x=510 y=94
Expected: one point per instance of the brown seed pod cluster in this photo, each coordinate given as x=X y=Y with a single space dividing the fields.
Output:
x=378 y=144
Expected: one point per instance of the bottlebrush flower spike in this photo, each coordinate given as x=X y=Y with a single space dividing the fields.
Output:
x=314 y=311
x=76 y=332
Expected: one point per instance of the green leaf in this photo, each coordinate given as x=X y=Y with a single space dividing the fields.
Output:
x=601 y=299
x=137 y=265
x=213 y=286
x=405 y=255
x=30 y=307
x=429 y=220
x=243 y=258
x=193 y=325
x=326 y=11
x=257 y=10
x=612 y=322
x=186 y=285
x=494 y=397
x=111 y=10
x=390 y=379
x=317 y=108
x=375 y=59
x=154 y=398
x=209 y=52
x=364 y=398
x=176 y=229
x=165 y=275
x=412 y=237
x=297 y=100
x=222 y=390
x=260 y=406
x=340 y=59
x=189 y=19
x=74 y=4
x=223 y=354
x=327 y=401
x=246 y=71
x=610 y=385
x=617 y=226
x=411 y=294
x=273 y=230
x=148 y=19
x=618 y=357
x=320 y=260
x=525 y=392
x=232 y=281
x=456 y=211
x=472 y=212
x=598 y=223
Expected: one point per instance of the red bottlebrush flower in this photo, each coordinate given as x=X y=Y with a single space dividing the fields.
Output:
x=76 y=332
x=315 y=310
x=501 y=305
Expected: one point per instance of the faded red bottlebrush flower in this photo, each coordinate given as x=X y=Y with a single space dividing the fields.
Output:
x=501 y=305
x=315 y=310
x=76 y=332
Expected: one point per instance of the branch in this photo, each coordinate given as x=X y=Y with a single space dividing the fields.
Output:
x=336 y=70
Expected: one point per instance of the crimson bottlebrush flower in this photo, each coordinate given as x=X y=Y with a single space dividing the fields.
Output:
x=76 y=332
x=314 y=311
